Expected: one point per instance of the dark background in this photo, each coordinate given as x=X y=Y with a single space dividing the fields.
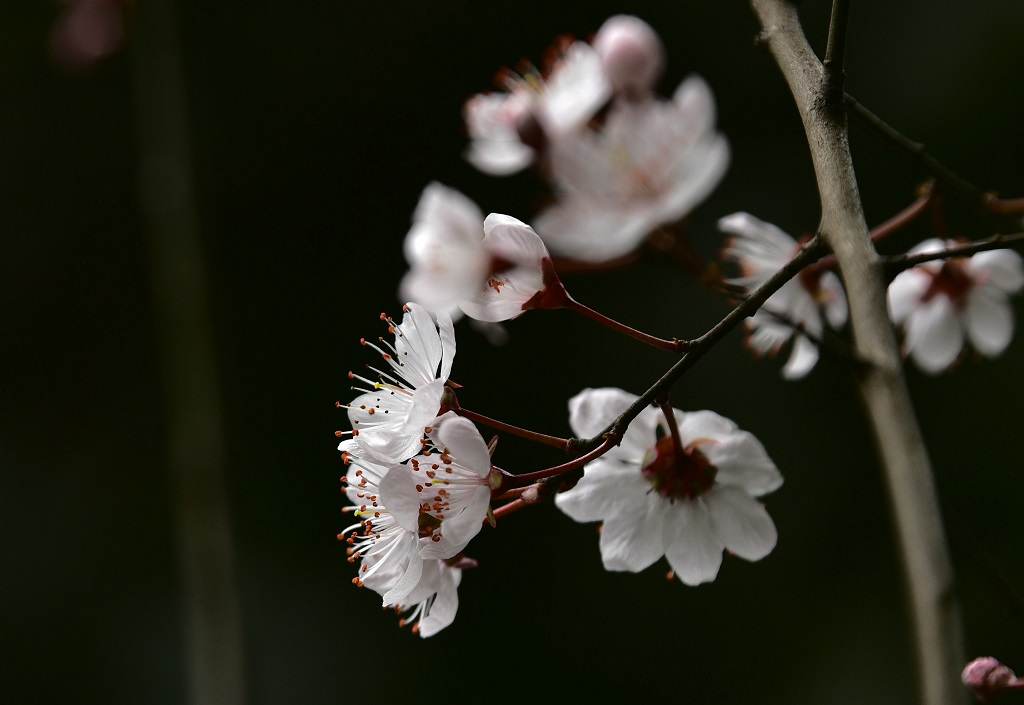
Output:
x=312 y=129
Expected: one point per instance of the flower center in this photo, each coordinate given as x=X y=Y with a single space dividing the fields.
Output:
x=682 y=473
x=953 y=281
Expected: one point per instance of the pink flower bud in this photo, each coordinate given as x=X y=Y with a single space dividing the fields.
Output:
x=987 y=678
x=632 y=55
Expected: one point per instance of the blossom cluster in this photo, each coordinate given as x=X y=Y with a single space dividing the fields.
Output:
x=623 y=164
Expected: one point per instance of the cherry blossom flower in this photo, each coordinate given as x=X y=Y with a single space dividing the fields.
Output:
x=487 y=268
x=685 y=493
x=506 y=129
x=652 y=162
x=390 y=563
x=760 y=249
x=444 y=493
x=436 y=611
x=937 y=303
x=389 y=417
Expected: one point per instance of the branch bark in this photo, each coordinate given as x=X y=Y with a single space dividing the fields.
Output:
x=887 y=402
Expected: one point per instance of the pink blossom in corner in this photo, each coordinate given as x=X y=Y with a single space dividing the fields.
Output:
x=939 y=303
x=761 y=249
x=632 y=55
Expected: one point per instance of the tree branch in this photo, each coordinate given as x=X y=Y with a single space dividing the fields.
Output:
x=897 y=263
x=883 y=389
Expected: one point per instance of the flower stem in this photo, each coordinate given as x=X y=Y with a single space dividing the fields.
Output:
x=674 y=345
x=610 y=441
x=670 y=418
x=514 y=430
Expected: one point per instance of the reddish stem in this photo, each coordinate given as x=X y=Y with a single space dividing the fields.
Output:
x=1011 y=206
x=675 y=345
x=561 y=443
x=610 y=442
x=508 y=508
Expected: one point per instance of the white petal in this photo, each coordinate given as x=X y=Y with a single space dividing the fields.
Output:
x=802 y=359
x=934 y=337
x=446 y=604
x=398 y=493
x=458 y=530
x=461 y=437
x=741 y=522
x=426 y=402
x=1003 y=269
x=513 y=240
x=575 y=90
x=633 y=542
x=493 y=308
x=700 y=425
x=743 y=462
x=446 y=331
x=759 y=245
x=989 y=319
x=905 y=292
x=692 y=548
x=594 y=409
x=418 y=345
x=408 y=582
x=694 y=178
x=607 y=489
x=834 y=299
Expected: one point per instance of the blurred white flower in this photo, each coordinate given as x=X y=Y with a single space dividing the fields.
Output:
x=507 y=128
x=444 y=493
x=651 y=163
x=687 y=502
x=936 y=303
x=389 y=417
x=462 y=262
x=760 y=249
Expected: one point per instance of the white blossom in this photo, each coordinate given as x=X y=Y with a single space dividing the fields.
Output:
x=436 y=611
x=389 y=417
x=760 y=249
x=506 y=127
x=687 y=502
x=650 y=164
x=444 y=493
x=938 y=303
x=461 y=262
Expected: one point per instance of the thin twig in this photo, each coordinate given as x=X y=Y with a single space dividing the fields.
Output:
x=835 y=51
x=897 y=263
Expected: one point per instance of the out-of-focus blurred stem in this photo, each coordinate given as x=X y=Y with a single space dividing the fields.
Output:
x=191 y=401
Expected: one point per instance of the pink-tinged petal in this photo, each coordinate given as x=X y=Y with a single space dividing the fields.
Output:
x=462 y=439
x=399 y=494
x=594 y=409
x=802 y=359
x=905 y=292
x=632 y=54
x=493 y=307
x=445 y=606
x=934 y=337
x=933 y=244
x=587 y=231
x=1002 y=269
x=633 y=542
x=692 y=548
x=989 y=319
x=426 y=402
x=743 y=462
x=608 y=488
x=833 y=299
x=491 y=121
x=513 y=240
x=741 y=522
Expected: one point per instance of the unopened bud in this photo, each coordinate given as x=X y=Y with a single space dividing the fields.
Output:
x=987 y=678
x=632 y=55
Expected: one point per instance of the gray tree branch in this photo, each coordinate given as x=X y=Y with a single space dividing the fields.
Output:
x=905 y=461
